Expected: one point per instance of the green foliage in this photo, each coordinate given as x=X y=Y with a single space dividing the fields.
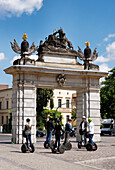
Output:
x=51 y=104
x=42 y=119
x=43 y=96
x=74 y=110
x=107 y=94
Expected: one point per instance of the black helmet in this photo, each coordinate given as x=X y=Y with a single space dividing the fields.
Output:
x=58 y=120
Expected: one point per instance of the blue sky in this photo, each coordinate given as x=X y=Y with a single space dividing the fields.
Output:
x=81 y=20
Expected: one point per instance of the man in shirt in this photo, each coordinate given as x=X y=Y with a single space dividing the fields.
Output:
x=83 y=129
x=91 y=131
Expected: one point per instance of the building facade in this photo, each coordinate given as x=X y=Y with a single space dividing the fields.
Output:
x=5 y=105
x=63 y=102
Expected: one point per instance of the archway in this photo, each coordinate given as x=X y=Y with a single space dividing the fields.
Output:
x=57 y=68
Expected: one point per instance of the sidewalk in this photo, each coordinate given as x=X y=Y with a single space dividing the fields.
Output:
x=12 y=158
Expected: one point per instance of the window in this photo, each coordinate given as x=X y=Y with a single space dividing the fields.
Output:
x=59 y=102
x=6 y=104
x=6 y=119
x=0 y=105
x=67 y=93
x=67 y=103
x=2 y=120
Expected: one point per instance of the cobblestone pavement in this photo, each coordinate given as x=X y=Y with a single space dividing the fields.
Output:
x=12 y=158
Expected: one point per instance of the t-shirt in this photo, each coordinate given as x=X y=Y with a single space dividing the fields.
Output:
x=83 y=126
x=91 y=128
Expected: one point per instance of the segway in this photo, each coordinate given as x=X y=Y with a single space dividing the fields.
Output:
x=24 y=148
x=61 y=149
x=90 y=147
x=81 y=143
x=47 y=146
x=67 y=145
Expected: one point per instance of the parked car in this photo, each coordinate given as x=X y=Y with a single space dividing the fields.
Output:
x=73 y=132
x=107 y=126
x=40 y=133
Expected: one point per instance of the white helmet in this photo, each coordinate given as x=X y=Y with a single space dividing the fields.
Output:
x=83 y=117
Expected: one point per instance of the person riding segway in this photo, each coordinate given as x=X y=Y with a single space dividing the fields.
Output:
x=91 y=145
x=49 y=127
x=57 y=131
x=68 y=129
x=27 y=134
x=83 y=133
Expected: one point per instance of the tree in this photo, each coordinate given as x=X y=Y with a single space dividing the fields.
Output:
x=107 y=94
x=51 y=104
x=43 y=97
x=74 y=110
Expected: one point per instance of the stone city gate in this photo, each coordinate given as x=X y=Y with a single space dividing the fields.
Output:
x=57 y=68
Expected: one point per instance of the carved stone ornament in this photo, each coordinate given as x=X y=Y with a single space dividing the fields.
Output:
x=88 y=57
x=24 y=50
x=61 y=79
x=56 y=43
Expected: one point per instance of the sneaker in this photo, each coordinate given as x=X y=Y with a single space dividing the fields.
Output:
x=30 y=149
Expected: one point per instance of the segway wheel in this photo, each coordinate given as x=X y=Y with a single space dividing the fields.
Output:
x=33 y=148
x=68 y=146
x=89 y=147
x=79 y=145
x=94 y=149
x=46 y=145
x=24 y=148
x=53 y=149
x=51 y=144
x=61 y=149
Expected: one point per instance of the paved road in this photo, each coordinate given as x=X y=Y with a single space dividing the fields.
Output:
x=42 y=159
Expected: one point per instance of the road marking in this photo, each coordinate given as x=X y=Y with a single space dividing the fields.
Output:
x=93 y=167
x=94 y=160
x=83 y=163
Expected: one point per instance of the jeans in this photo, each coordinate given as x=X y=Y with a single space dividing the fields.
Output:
x=90 y=139
x=85 y=139
x=49 y=136
x=66 y=137
x=57 y=140
x=28 y=139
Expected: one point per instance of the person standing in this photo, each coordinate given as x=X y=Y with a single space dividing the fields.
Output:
x=28 y=133
x=83 y=129
x=49 y=127
x=91 y=131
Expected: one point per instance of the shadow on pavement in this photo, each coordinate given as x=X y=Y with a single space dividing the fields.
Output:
x=5 y=142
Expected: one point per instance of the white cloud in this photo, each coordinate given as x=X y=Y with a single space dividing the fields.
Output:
x=109 y=36
x=17 y=7
x=105 y=68
x=2 y=56
x=109 y=54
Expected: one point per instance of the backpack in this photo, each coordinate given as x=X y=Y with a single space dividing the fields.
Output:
x=24 y=134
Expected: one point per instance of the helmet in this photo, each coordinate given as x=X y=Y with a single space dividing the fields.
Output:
x=89 y=119
x=58 y=120
x=83 y=117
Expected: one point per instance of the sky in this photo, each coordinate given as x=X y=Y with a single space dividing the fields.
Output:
x=81 y=20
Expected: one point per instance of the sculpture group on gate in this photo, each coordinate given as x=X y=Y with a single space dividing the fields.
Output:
x=58 y=44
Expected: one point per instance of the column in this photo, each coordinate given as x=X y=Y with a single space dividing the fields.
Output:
x=24 y=106
x=88 y=104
